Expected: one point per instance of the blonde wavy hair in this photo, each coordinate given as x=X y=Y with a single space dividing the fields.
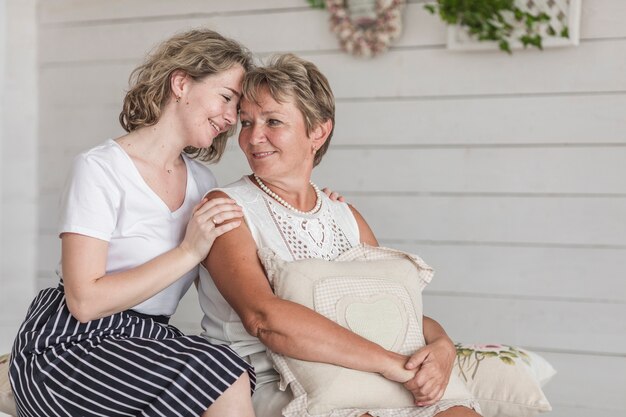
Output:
x=289 y=76
x=199 y=53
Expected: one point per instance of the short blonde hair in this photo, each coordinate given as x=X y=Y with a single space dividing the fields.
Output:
x=290 y=76
x=199 y=53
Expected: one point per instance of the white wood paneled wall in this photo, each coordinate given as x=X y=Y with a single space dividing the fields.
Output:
x=18 y=164
x=506 y=173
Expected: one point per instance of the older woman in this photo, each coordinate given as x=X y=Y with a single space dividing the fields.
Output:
x=287 y=120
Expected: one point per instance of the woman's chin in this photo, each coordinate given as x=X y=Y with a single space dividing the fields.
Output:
x=257 y=172
x=258 y=169
x=266 y=174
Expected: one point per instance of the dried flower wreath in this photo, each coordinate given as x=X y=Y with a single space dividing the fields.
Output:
x=366 y=37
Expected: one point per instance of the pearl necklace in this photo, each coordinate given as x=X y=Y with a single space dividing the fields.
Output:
x=266 y=189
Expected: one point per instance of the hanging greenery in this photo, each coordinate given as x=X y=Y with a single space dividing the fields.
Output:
x=497 y=21
x=317 y=4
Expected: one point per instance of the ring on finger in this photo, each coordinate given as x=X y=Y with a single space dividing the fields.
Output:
x=215 y=222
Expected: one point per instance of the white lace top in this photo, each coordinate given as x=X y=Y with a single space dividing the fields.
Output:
x=325 y=234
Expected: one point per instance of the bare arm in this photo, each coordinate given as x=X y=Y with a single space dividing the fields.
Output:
x=91 y=293
x=433 y=332
x=365 y=232
x=284 y=326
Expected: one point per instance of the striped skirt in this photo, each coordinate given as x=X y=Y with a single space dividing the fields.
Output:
x=125 y=364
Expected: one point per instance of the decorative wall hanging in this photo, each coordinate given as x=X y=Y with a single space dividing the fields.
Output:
x=509 y=24
x=365 y=28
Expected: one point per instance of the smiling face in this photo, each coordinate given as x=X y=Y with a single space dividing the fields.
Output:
x=274 y=138
x=208 y=107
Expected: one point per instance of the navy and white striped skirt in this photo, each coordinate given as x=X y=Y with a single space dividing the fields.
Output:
x=125 y=364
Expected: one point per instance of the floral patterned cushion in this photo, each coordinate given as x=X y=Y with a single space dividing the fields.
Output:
x=7 y=402
x=506 y=380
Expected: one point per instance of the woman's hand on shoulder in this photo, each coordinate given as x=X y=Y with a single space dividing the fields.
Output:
x=215 y=215
x=333 y=195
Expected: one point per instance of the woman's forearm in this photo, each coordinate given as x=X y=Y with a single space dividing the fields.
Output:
x=93 y=298
x=93 y=293
x=434 y=333
x=301 y=333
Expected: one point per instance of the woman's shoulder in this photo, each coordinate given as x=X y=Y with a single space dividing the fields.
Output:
x=106 y=156
x=241 y=184
x=241 y=190
x=335 y=205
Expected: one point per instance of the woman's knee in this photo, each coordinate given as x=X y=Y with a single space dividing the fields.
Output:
x=235 y=401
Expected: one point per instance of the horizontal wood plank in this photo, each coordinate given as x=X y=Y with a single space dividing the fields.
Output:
x=8 y=330
x=499 y=170
x=85 y=11
x=592 y=275
x=102 y=85
x=579 y=375
x=526 y=120
x=436 y=121
x=565 y=221
x=545 y=325
x=288 y=25
x=509 y=170
x=580 y=411
x=437 y=72
x=399 y=74
x=538 y=221
x=602 y=19
x=49 y=253
x=299 y=30
x=46 y=279
x=132 y=41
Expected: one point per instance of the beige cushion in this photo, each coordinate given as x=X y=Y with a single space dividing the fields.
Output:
x=506 y=380
x=7 y=402
x=376 y=293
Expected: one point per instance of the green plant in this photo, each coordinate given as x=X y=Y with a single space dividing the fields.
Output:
x=317 y=4
x=496 y=20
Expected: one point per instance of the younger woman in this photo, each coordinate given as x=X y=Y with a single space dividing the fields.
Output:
x=133 y=229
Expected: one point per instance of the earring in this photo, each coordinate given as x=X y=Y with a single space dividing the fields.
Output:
x=178 y=99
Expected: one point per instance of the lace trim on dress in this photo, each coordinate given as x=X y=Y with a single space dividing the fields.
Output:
x=317 y=236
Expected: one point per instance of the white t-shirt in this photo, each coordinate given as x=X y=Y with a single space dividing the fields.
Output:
x=106 y=198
